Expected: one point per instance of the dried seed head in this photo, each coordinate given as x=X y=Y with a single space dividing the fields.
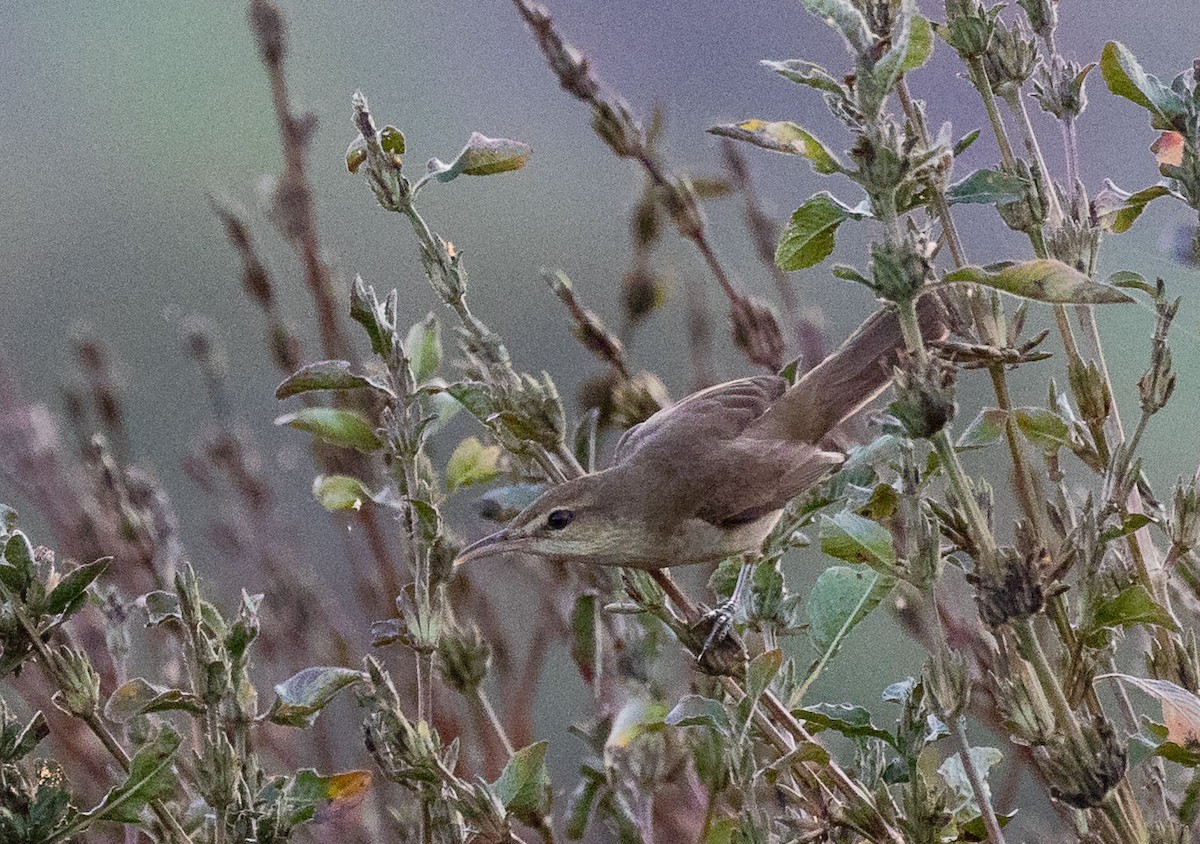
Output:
x=756 y=331
x=1082 y=776
x=1009 y=589
x=1029 y=719
x=1009 y=59
x=968 y=27
x=947 y=680
x=464 y=659
x=1059 y=88
x=1042 y=15
x=267 y=23
x=924 y=401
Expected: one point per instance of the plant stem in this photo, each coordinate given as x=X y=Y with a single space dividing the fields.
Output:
x=990 y=822
x=485 y=704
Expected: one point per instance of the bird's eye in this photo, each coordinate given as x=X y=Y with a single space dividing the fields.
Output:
x=559 y=519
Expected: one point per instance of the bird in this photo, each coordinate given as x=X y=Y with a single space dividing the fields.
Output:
x=708 y=477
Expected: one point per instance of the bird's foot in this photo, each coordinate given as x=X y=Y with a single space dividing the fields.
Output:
x=722 y=652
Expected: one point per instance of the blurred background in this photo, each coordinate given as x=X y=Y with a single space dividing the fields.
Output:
x=121 y=118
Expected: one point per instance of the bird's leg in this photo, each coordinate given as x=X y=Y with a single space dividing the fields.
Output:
x=720 y=618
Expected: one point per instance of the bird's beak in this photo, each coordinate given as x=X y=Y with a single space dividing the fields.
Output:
x=500 y=542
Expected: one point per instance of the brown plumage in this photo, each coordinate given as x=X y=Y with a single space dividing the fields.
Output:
x=708 y=476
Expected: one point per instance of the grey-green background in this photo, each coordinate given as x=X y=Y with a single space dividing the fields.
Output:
x=117 y=119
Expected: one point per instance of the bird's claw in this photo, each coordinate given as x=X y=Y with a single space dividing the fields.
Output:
x=722 y=652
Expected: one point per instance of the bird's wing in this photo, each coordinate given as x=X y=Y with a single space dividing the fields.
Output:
x=718 y=413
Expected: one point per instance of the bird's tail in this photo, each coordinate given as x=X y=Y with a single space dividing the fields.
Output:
x=849 y=378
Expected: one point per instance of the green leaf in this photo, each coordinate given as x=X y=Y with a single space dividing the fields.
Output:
x=139 y=697
x=955 y=774
x=839 y=600
x=761 y=671
x=849 y=720
x=920 y=44
x=1125 y=78
x=524 y=786
x=964 y=143
x=327 y=375
x=1132 y=206
x=698 y=711
x=472 y=462
x=150 y=778
x=1133 y=606
x=423 y=347
x=161 y=606
x=583 y=637
x=639 y=715
x=986 y=428
x=68 y=596
x=1044 y=280
x=783 y=136
x=18 y=569
x=1043 y=428
x=300 y=698
x=847 y=19
x=1132 y=281
x=986 y=187
x=855 y=539
x=482 y=156
x=806 y=73
x=475 y=396
x=311 y=796
x=808 y=238
x=391 y=140
x=345 y=428
x=1131 y=523
x=894 y=62
x=340 y=492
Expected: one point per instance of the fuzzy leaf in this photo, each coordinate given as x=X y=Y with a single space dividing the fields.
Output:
x=423 y=346
x=761 y=671
x=139 y=697
x=806 y=73
x=1044 y=280
x=847 y=719
x=345 y=428
x=150 y=778
x=17 y=569
x=986 y=187
x=391 y=140
x=472 y=462
x=986 y=428
x=782 y=136
x=161 y=606
x=1131 y=207
x=482 y=156
x=524 y=786
x=1126 y=78
x=1043 y=428
x=69 y=594
x=340 y=492
x=808 y=238
x=300 y=698
x=698 y=711
x=844 y=16
x=1131 y=523
x=325 y=798
x=920 y=44
x=839 y=600
x=955 y=774
x=327 y=375
x=855 y=539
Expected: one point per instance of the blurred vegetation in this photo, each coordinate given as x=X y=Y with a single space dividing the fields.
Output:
x=1050 y=591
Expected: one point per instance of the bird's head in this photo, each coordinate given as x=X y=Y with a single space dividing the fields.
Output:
x=573 y=520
